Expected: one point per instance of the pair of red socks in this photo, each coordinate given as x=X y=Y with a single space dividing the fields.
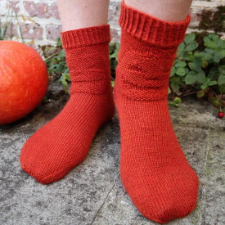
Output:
x=153 y=168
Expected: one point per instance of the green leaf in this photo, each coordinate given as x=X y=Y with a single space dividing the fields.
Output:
x=180 y=63
x=204 y=86
x=200 y=94
x=222 y=89
x=186 y=70
x=216 y=57
x=204 y=64
x=112 y=83
x=117 y=45
x=169 y=91
x=175 y=86
x=173 y=71
x=219 y=42
x=222 y=53
x=181 y=47
x=222 y=69
x=58 y=42
x=214 y=73
x=197 y=54
x=213 y=36
x=191 y=47
x=223 y=45
x=194 y=66
x=180 y=71
x=66 y=76
x=206 y=39
x=212 y=82
x=215 y=102
x=211 y=44
x=187 y=55
x=65 y=85
x=113 y=56
x=61 y=54
x=221 y=80
x=206 y=55
x=191 y=78
x=208 y=50
x=201 y=77
x=189 y=38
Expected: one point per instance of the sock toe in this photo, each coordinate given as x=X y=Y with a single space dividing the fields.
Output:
x=166 y=196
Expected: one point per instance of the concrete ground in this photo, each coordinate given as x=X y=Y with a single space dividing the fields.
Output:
x=92 y=194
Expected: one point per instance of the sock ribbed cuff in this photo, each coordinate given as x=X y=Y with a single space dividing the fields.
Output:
x=151 y=29
x=86 y=36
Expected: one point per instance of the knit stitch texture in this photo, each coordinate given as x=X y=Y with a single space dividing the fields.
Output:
x=153 y=168
x=63 y=143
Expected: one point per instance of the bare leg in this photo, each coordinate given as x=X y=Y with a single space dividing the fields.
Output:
x=77 y=14
x=169 y=10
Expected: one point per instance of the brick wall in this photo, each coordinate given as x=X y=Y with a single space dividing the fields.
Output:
x=40 y=24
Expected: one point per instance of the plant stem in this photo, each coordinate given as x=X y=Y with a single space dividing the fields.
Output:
x=189 y=94
x=52 y=55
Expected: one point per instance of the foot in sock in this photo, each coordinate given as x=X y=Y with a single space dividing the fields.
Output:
x=153 y=168
x=63 y=143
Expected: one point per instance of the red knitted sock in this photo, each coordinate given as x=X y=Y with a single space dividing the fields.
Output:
x=153 y=168
x=64 y=142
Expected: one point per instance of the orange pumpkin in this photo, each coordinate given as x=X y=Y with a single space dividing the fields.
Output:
x=23 y=80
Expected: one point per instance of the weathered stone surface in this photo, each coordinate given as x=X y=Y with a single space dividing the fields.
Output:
x=53 y=31
x=41 y=9
x=11 y=31
x=92 y=192
x=213 y=205
x=32 y=31
x=15 y=6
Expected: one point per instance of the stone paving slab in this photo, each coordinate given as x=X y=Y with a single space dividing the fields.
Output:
x=92 y=192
